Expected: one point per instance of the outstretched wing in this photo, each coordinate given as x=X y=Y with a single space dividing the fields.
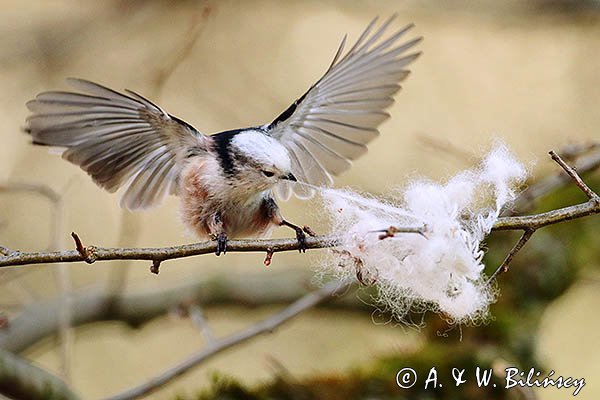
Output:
x=119 y=140
x=332 y=123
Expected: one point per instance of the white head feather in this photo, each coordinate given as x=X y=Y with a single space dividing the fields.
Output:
x=263 y=148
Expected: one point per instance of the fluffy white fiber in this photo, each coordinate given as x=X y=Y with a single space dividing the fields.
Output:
x=442 y=269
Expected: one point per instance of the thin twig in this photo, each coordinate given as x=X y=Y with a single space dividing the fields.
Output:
x=155 y=267
x=516 y=248
x=586 y=159
x=179 y=55
x=447 y=147
x=197 y=316
x=40 y=189
x=575 y=176
x=5 y=251
x=393 y=230
x=87 y=253
x=265 y=326
x=268 y=257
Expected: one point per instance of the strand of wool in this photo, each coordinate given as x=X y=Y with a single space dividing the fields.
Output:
x=442 y=270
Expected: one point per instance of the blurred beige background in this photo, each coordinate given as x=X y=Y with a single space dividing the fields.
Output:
x=509 y=70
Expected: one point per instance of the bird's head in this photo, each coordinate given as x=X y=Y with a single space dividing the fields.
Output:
x=258 y=161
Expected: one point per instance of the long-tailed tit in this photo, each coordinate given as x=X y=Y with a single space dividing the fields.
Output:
x=226 y=180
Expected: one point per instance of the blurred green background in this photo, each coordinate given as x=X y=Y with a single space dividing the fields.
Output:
x=522 y=71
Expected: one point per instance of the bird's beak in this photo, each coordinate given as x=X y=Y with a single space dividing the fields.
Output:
x=290 y=177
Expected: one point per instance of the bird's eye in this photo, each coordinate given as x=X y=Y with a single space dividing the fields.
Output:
x=268 y=174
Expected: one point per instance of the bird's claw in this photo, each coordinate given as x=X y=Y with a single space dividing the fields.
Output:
x=301 y=236
x=221 y=244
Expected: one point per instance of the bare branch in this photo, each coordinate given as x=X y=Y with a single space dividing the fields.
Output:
x=159 y=254
x=21 y=380
x=591 y=207
x=265 y=326
x=162 y=253
x=537 y=221
x=91 y=254
x=40 y=318
x=573 y=174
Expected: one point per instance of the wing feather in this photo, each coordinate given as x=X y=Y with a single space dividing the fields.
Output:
x=121 y=140
x=331 y=124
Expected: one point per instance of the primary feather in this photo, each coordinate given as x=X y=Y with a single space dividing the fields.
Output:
x=119 y=140
x=332 y=123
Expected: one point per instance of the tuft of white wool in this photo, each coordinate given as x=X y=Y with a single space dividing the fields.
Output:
x=441 y=270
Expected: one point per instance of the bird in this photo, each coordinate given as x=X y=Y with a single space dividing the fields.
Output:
x=228 y=181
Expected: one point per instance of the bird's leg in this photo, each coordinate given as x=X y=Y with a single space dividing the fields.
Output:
x=271 y=210
x=218 y=233
x=300 y=235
